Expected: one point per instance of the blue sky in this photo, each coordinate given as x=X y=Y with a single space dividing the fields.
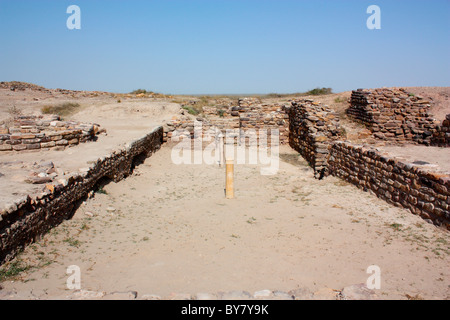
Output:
x=225 y=46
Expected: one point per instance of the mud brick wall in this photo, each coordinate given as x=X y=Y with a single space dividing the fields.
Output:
x=38 y=132
x=240 y=121
x=184 y=126
x=422 y=192
x=25 y=220
x=312 y=128
x=441 y=137
x=255 y=115
x=394 y=115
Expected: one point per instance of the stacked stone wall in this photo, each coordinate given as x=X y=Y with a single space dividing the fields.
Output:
x=240 y=124
x=402 y=184
x=441 y=137
x=312 y=129
x=38 y=132
x=394 y=115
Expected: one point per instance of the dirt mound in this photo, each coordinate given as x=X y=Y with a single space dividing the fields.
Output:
x=22 y=86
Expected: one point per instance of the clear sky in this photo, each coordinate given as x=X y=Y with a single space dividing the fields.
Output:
x=225 y=46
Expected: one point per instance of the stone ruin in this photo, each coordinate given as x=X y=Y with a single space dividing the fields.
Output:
x=45 y=132
x=309 y=127
x=250 y=115
x=395 y=115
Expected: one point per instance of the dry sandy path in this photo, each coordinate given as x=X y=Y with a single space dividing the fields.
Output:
x=169 y=229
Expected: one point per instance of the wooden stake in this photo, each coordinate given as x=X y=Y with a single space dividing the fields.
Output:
x=229 y=188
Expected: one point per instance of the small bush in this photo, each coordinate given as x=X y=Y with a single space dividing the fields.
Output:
x=319 y=91
x=141 y=91
x=191 y=110
x=63 y=109
x=13 y=270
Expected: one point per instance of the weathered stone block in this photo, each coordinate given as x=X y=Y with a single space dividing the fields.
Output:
x=5 y=147
x=19 y=147
x=48 y=144
x=33 y=146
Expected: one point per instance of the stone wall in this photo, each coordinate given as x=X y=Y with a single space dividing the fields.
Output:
x=312 y=128
x=39 y=132
x=441 y=137
x=422 y=192
x=241 y=122
x=314 y=133
x=256 y=115
x=394 y=115
x=28 y=218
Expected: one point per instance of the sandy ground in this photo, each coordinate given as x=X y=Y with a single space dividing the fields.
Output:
x=169 y=229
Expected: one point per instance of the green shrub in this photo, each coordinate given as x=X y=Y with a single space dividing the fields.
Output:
x=319 y=91
x=191 y=110
x=13 y=270
x=140 y=91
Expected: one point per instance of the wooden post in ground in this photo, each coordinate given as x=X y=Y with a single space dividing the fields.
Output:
x=229 y=187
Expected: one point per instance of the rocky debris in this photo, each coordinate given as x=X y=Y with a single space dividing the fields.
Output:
x=352 y=292
x=301 y=294
x=206 y=296
x=21 y=86
x=358 y=292
x=236 y=295
x=87 y=295
x=326 y=294
x=263 y=294
x=281 y=295
x=43 y=172
x=38 y=180
x=128 y=295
